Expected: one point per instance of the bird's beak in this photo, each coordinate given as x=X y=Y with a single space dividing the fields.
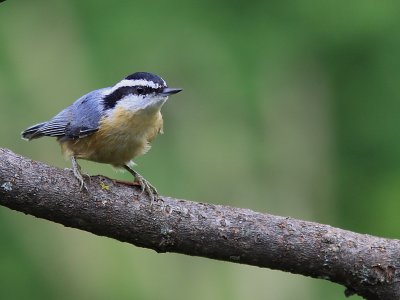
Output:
x=170 y=91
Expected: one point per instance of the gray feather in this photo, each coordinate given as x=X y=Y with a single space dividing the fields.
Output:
x=76 y=121
x=30 y=132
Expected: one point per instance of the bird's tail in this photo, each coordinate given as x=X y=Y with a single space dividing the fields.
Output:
x=33 y=132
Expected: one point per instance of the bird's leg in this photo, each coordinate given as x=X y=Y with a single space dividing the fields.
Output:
x=144 y=184
x=76 y=168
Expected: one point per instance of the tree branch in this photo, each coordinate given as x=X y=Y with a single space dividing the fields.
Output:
x=368 y=266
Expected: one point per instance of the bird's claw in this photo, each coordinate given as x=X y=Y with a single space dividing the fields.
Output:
x=146 y=186
x=76 y=169
x=82 y=184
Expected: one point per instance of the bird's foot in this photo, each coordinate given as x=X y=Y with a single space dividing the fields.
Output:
x=76 y=169
x=145 y=186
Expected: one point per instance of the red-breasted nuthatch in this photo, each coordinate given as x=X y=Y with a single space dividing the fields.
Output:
x=112 y=125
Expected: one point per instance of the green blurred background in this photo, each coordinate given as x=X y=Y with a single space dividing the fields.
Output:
x=289 y=107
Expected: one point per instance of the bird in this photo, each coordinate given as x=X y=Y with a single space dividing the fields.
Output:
x=111 y=125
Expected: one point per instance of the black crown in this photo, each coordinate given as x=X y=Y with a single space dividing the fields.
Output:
x=146 y=76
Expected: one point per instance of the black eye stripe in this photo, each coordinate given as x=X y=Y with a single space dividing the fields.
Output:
x=111 y=100
x=143 y=90
x=140 y=90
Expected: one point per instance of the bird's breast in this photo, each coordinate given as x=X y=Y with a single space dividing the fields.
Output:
x=122 y=135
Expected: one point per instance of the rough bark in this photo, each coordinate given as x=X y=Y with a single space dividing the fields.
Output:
x=366 y=265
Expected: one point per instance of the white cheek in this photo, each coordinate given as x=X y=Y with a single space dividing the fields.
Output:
x=132 y=102
x=136 y=103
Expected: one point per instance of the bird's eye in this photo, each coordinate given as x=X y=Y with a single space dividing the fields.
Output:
x=140 y=90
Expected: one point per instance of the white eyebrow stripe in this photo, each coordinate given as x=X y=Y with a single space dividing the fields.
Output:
x=126 y=82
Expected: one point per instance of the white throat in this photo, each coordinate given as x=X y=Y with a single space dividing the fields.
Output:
x=140 y=103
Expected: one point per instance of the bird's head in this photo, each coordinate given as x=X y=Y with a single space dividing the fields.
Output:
x=140 y=91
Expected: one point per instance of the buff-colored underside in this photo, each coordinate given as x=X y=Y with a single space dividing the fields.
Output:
x=120 y=138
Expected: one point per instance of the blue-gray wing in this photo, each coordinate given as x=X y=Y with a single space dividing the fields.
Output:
x=76 y=121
